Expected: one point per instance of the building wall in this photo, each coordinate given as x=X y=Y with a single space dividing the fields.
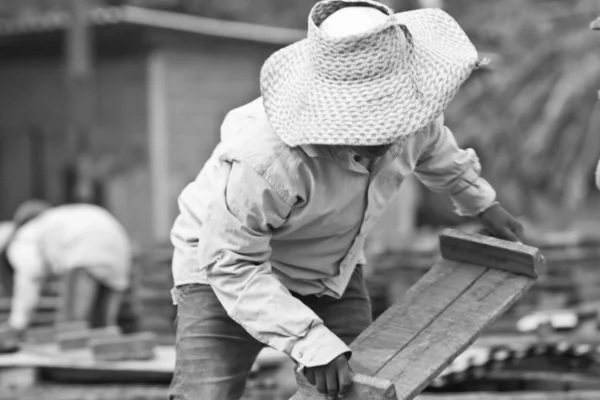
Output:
x=202 y=83
x=122 y=138
x=32 y=111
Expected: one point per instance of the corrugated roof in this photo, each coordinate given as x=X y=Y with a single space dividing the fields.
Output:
x=595 y=25
x=154 y=18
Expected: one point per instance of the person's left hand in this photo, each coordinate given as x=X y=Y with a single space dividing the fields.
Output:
x=10 y=339
x=501 y=223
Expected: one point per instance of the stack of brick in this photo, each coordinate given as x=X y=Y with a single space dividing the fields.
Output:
x=105 y=344
x=152 y=286
x=46 y=309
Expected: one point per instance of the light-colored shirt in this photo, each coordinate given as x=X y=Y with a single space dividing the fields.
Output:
x=263 y=219
x=59 y=240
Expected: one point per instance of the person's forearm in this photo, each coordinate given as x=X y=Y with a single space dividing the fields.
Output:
x=24 y=302
x=254 y=297
x=474 y=195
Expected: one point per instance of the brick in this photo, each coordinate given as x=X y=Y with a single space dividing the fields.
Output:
x=81 y=339
x=62 y=327
x=139 y=346
x=40 y=335
x=48 y=334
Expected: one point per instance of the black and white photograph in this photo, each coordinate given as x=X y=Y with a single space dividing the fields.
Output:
x=299 y=199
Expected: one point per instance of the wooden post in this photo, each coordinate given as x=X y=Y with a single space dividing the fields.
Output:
x=478 y=279
x=80 y=108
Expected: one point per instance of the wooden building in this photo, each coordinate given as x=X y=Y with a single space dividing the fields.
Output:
x=163 y=82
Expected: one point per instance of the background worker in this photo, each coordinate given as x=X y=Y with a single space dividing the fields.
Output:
x=84 y=245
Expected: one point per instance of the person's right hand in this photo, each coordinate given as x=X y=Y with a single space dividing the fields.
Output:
x=333 y=380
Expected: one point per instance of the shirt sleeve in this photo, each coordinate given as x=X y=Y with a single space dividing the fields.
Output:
x=445 y=168
x=28 y=264
x=237 y=230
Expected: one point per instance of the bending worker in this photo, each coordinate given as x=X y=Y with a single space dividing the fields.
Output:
x=84 y=245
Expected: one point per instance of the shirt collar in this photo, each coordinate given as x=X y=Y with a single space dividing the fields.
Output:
x=314 y=151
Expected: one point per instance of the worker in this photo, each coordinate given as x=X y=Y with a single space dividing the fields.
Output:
x=269 y=237
x=84 y=245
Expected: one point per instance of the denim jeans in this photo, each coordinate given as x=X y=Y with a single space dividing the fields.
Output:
x=215 y=354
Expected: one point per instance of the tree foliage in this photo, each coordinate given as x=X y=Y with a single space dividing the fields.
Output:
x=535 y=119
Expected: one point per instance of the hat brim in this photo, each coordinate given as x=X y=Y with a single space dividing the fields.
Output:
x=304 y=110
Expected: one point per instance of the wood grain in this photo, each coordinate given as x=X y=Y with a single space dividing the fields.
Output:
x=486 y=251
x=440 y=316
x=450 y=333
x=405 y=320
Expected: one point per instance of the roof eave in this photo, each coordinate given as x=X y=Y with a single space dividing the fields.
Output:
x=186 y=23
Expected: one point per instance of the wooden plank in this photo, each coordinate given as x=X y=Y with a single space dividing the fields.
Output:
x=489 y=252
x=139 y=346
x=80 y=339
x=439 y=317
x=47 y=334
x=451 y=332
x=411 y=314
x=50 y=357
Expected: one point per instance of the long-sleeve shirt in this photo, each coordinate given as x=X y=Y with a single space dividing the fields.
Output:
x=59 y=240
x=263 y=219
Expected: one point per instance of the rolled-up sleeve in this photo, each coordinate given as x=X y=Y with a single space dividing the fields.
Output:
x=235 y=247
x=445 y=168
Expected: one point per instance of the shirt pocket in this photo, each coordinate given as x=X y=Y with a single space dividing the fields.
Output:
x=387 y=183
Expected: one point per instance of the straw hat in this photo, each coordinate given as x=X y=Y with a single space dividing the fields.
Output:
x=362 y=81
x=29 y=210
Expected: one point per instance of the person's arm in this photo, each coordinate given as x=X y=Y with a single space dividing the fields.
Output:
x=446 y=168
x=28 y=279
x=234 y=244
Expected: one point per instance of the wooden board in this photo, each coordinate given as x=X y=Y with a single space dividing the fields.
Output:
x=439 y=317
x=80 y=365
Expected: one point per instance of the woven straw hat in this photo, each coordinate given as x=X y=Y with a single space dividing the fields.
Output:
x=370 y=88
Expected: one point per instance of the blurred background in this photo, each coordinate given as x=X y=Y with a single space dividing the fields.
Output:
x=119 y=103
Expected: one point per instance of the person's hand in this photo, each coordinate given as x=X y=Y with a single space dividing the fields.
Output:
x=10 y=338
x=333 y=380
x=501 y=223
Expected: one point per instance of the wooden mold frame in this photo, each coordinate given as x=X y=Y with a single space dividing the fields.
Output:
x=399 y=354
